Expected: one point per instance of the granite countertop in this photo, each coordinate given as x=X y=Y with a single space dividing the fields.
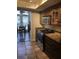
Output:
x=54 y=36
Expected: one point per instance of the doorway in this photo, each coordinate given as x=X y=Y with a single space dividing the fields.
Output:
x=23 y=26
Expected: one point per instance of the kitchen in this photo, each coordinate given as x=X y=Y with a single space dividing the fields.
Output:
x=45 y=26
x=54 y=31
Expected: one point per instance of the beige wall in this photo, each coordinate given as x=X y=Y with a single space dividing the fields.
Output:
x=35 y=22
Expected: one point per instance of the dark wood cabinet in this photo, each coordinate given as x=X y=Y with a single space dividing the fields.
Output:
x=54 y=19
x=52 y=48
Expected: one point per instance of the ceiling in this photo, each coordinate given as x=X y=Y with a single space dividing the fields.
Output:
x=37 y=5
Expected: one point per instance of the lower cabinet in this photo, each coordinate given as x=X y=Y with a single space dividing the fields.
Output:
x=52 y=48
x=47 y=45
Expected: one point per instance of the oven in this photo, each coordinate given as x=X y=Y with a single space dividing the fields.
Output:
x=40 y=40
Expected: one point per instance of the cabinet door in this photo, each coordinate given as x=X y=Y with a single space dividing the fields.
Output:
x=45 y=20
x=56 y=17
x=52 y=48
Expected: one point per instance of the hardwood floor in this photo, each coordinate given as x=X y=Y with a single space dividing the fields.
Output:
x=29 y=50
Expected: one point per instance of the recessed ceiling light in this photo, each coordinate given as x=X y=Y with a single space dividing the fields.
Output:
x=30 y=1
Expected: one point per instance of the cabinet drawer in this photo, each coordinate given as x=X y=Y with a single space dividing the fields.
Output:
x=53 y=54
x=50 y=46
x=50 y=42
x=50 y=53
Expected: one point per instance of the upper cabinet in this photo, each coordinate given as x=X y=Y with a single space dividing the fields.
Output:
x=56 y=17
x=46 y=20
x=51 y=16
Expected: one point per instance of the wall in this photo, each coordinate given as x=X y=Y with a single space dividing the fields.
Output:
x=35 y=22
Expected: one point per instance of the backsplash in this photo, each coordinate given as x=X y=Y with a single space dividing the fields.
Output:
x=56 y=28
x=48 y=27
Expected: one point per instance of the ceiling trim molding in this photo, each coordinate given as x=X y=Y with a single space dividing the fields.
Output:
x=27 y=9
x=58 y=5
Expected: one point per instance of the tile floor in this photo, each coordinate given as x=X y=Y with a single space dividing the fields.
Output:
x=29 y=50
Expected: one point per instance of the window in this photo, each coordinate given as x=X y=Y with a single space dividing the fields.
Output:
x=18 y=12
x=22 y=18
x=18 y=20
x=25 y=13
x=25 y=21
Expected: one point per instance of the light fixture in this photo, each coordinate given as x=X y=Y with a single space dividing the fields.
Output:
x=29 y=5
x=30 y=1
x=43 y=1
